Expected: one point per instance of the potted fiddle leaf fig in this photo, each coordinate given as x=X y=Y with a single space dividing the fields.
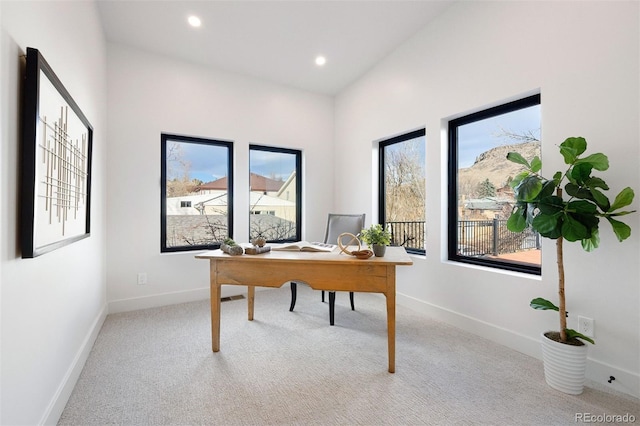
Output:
x=567 y=207
x=377 y=238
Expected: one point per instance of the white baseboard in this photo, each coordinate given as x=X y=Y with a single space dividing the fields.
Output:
x=157 y=300
x=626 y=382
x=61 y=397
x=173 y=298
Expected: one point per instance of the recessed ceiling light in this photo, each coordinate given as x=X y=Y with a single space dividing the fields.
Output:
x=321 y=60
x=194 y=21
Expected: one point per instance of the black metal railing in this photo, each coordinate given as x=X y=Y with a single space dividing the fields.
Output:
x=408 y=234
x=491 y=237
x=475 y=237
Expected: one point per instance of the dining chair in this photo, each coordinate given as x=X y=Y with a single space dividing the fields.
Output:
x=336 y=224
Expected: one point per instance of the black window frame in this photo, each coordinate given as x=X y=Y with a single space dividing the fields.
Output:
x=381 y=181
x=299 y=177
x=452 y=213
x=165 y=137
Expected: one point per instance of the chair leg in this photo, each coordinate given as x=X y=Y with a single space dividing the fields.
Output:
x=322 y=296
x=294 y=293
x=332 y=306
x=351 y=299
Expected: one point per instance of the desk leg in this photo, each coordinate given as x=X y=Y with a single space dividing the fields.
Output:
x=215 y=306
x=391 y=317
x=250 y=301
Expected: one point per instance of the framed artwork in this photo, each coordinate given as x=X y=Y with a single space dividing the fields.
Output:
x=56 y=163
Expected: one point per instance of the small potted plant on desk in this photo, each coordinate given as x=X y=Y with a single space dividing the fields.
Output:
x=567 y=207
x=377 y=238
x=231 y=247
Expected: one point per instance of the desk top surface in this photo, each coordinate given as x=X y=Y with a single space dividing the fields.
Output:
x=393 y=256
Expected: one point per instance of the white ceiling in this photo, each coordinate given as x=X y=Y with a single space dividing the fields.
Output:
x=272 y=40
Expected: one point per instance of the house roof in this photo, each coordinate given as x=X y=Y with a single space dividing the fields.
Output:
x=256 y=183
x=488 y=203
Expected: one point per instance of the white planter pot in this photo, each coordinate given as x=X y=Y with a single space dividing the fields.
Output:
x=564 y=365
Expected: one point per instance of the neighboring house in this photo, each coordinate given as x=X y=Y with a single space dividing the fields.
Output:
x=211 y=203
x=505 y=191
x=288 y=189
x=265 y=204
x=485 y=208
x=199 y=216
x=215 y=203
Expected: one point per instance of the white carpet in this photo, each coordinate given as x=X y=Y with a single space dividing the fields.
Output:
x=155 y=367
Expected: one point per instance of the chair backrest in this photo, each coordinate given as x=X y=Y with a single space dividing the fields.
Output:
x=340 y=223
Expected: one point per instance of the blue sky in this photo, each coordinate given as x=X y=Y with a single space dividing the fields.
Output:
x=274 y=165
x=420 y=147
x=209 y=162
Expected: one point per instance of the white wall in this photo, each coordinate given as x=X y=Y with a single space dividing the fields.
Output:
x=151 y=94
x=52 y=306
x=584 y=58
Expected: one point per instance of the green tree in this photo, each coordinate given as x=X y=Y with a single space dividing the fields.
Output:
x=405 y=183
x=486 y=189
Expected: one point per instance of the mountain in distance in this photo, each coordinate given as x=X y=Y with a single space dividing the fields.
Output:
x=493 y=165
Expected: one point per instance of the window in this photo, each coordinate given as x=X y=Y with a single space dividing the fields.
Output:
x=196 y=193
x=401 y=197
x=275 y=193
x=480 y=198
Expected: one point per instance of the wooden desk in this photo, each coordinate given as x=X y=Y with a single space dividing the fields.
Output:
x=321 y=271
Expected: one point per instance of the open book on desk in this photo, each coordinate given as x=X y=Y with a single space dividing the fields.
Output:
x=304 y=246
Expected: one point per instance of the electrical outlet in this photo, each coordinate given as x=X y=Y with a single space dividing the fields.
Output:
x=142 y=278
x=586 y=326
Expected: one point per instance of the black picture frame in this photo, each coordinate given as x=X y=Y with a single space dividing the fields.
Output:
x=57 y=144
